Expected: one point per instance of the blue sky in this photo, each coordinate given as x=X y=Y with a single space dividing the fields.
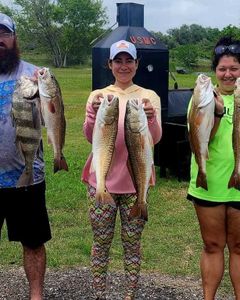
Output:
x=161 y=15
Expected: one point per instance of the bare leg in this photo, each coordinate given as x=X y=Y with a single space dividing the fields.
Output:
x=233 y=241
x=213 y=230
x=35 y=266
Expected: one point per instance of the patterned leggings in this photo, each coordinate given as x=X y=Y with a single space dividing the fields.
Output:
x=103 y=220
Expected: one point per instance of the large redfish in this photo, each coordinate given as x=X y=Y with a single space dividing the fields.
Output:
x=52 y=109
x=139 y=145
x=103 y=143
x=201 y=121
x=235 y=178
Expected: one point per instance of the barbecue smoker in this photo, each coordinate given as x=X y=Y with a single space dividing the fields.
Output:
x=153 y=73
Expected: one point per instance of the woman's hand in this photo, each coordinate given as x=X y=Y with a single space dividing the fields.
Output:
x=148 y=108
x=219 y=104
x=97 y=101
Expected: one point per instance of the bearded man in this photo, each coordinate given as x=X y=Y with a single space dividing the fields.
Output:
x=23 y=208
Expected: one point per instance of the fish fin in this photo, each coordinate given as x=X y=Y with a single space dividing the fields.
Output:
x=51 y=107
x=104 y=198
x=92 y=167
x=139 y=211
x=190 y=141
x=60 y=164
x=25 y=179
x=199 y=118
x=234 y=181
x=202 y=181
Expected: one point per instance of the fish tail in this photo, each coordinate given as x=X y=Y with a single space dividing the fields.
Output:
x=104 y=198
x=202 y=181
x=139 y=211
x=60 y=164
x=25 y=179
x=234 y=181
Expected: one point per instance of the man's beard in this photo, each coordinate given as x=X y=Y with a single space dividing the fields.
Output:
x=9 y=59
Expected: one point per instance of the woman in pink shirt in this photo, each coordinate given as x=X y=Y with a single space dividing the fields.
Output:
x=124 y=63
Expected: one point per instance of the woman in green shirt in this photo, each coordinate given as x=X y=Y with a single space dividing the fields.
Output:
x=218 y=208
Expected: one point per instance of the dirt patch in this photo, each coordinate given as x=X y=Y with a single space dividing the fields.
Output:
x=71 y=284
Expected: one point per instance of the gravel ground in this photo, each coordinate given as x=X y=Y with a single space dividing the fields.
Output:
x=71 y=284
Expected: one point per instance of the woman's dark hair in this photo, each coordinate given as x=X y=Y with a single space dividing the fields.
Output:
x=225 y=46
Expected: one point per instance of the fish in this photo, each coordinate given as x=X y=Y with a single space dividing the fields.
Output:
x=52 y=110
x=27 y=121
x=234 y=181
x=139 y=144
x=201 y=122
x=103 y=143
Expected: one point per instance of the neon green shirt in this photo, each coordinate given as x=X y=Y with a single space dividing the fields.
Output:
x=220 y=163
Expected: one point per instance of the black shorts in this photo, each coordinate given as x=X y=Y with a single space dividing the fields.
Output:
x=24 y=210
x=206 y=203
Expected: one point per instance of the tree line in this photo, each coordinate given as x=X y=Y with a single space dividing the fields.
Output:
x=64 y=29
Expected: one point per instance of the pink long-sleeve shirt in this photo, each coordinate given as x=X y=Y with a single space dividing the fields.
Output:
x=118 y=180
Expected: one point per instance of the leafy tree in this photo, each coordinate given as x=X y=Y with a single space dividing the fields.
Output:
x=82 y=21
x=187 y=55
x=61 y=28
x=232 y=31
x=168 y=40
x=193 y=34
x=5 y=9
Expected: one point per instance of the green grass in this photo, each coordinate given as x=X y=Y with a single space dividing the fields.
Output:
x=171 y=242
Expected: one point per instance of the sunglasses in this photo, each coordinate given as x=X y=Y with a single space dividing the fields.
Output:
x=235 y=49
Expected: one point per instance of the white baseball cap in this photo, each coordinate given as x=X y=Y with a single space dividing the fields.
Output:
x=7 y=22
x=123 y=46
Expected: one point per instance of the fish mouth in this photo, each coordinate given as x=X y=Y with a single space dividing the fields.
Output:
x=41 y=72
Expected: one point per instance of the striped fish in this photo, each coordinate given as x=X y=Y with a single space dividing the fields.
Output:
x=27 y=121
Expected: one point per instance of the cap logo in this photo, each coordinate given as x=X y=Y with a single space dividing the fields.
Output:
x=122 y=45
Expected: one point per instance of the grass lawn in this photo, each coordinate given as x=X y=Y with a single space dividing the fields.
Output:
x=171 y=241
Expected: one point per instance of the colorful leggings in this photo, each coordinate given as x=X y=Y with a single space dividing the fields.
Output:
x=103 y=220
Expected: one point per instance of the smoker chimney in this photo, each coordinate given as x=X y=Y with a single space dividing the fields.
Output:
x=130 y=14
